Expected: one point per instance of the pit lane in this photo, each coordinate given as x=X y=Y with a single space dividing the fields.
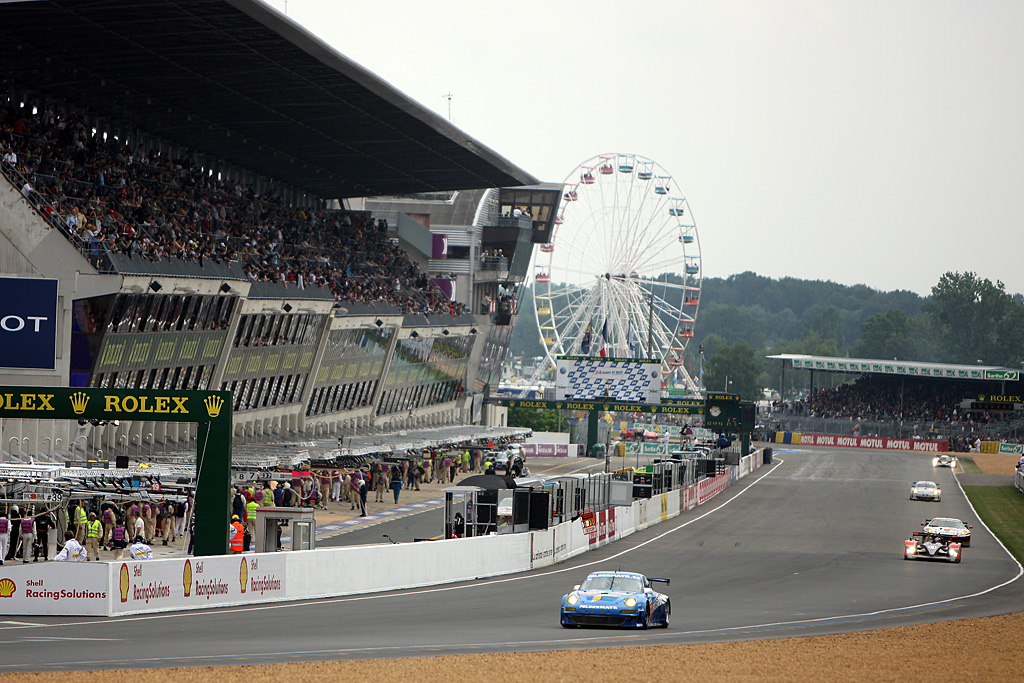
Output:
x=810 y=546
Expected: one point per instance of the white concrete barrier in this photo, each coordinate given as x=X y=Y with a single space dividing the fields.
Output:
x=542 y=548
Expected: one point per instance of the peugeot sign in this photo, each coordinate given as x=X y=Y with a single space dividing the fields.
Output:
x=28 y=323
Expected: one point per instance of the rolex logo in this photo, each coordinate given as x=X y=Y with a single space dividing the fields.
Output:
x=79 y=400
x=213 y=405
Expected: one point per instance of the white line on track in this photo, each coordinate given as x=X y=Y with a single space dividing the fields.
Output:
x=777 y=624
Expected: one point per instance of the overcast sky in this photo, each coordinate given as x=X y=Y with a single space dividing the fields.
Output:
x=868 y=141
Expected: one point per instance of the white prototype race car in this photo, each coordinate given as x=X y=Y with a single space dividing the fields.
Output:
x=931 y=546
x=944 y=461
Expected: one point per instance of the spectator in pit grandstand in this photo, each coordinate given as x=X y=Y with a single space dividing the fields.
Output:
x=325 y=487
x=336 y=486
x=381 y=484
x=396 y=482
x=191 y=534
x=81 y=519
x=237 y=535
x=109 y=519
x=138 y=526
x=118 y=539
x=14 y=533
x=289 y=498
x=73 y=551
x=180 y=512
x=167 y=521
x=5 y=537
x=140 y=550
x=93 y=534
x=237 y=502
x=149 y=512
x=361 y=493
x=250 y=515
x=44 y=522
x=28 y=536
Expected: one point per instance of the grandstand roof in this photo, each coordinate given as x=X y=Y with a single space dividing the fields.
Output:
x=242 y=82
x=899 y=367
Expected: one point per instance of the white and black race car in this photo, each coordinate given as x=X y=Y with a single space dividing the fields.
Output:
x=949 y=526
x=944 y=461
x=931 y=546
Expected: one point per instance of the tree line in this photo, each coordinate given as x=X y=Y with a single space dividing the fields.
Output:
x=966 y=319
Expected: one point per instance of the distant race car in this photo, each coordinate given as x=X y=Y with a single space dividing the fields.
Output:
x=930 y=546
x=616 y=599
x=925 y=490
x=944 y=461
x=949 y=526
x=500 y=461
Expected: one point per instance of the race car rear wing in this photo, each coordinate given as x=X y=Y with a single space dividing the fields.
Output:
x=664 y=581
x=951 y=537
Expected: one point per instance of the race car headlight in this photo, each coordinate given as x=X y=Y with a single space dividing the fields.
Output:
x=572 y=599
x=911 y=549
x=630 y=602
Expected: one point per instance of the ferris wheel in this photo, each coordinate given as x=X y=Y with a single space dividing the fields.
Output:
x=623 y=269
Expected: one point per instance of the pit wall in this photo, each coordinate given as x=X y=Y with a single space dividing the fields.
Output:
x=119 y=588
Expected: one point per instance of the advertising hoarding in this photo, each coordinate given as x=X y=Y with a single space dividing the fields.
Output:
x=28 y=323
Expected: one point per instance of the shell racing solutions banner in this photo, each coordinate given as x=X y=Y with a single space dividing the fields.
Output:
x=152 y=585
x=54 y=588
x=28 y=323
x=618 y=379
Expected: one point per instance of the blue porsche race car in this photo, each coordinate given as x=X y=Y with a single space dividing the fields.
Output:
x=616 y=599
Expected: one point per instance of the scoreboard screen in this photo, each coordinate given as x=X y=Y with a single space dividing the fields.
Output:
x=616 y=379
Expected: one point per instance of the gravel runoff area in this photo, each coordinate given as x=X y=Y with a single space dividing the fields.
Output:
x=995 y=463
x=983 y=650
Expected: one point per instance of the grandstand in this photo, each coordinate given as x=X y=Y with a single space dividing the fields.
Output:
x=905 y=399
x=226 y=202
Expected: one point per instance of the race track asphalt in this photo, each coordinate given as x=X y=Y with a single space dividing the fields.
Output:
x=811 y=545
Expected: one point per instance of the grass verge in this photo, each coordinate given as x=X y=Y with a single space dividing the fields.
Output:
x=1002 y=510
x=968 y=465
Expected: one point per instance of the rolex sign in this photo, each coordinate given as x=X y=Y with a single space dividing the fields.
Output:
x=28 y=323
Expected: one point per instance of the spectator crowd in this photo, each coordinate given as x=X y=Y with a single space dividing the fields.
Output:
x=931 y=403
x=107 y=197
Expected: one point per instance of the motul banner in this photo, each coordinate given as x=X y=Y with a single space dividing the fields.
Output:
x=873 y=442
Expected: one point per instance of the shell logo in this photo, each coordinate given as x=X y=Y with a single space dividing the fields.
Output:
x=125 y=582
x=243 y=574
x=7 y=588
x=186 y=578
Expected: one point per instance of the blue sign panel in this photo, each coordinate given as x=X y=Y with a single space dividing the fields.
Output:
x=28 y=323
